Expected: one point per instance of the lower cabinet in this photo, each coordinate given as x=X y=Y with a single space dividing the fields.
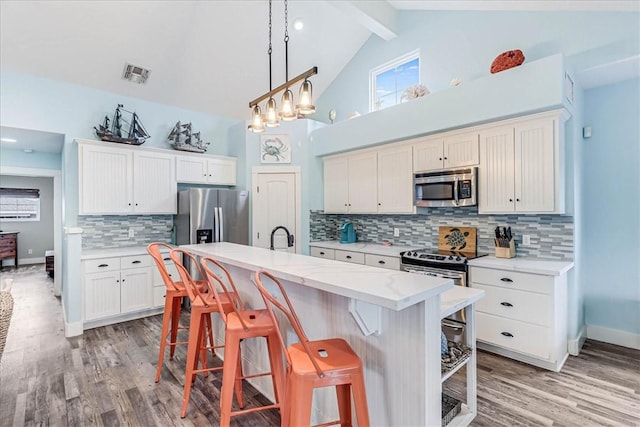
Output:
x=373 y=260
x=522 y=316
x=116 y=286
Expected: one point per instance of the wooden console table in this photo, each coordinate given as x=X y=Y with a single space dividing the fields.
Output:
x=9 y=246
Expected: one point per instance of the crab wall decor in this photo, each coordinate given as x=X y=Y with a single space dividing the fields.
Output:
x=275 y=149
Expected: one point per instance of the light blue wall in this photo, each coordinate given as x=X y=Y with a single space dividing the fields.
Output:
x=29 y=102
x=611 y=206
x=35 y=160
x=463 y=44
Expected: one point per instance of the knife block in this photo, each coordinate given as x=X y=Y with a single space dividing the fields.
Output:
x=509 y=252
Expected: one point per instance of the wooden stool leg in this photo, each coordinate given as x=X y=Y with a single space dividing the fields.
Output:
x=360 y=400
x=343 y=392
x=231 y=352
x=166 y=316
x=193 y=348
x=175 y=323
x=300 y=408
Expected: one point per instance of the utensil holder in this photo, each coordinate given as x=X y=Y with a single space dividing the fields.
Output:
x=509 y=252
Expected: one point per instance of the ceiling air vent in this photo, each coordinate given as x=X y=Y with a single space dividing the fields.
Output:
x=135 y=74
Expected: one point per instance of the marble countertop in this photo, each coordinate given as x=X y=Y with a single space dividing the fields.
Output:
x=458 y=298
x=524 y=265
x=9 y=232
x=391 y=289
x=113 y=252
x=365 y=247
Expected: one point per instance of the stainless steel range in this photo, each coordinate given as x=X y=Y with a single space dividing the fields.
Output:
x=446 y=264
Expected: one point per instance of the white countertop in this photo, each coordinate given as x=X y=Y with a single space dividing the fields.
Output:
x=395 y=290
x=114 y=252
x=369 y=248
x=524 y=265
x=458 y=298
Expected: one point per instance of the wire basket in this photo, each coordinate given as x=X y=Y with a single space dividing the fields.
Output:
x=450 y=408
x=6 y=309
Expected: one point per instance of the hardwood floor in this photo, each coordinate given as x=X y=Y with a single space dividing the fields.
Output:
x=105 y=377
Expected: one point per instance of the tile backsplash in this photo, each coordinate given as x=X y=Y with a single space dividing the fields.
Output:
x=551 y=235
x=112 y=231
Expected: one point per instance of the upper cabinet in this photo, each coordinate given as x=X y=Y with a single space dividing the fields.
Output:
x=369 y=181
x=521 y=168
x=119 y=181
x=214 y=170
x=448 y=151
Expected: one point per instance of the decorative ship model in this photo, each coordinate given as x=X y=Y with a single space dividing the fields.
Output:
x=121 y=130
x=183 y=139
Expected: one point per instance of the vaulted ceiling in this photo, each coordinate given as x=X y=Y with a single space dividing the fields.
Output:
x=208 y=56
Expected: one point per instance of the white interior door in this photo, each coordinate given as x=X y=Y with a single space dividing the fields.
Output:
x=275 y=204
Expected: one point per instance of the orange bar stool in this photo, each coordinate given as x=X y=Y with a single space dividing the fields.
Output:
x=315 y=364
x=203 y=304
x=175 y=291
x=241 y=324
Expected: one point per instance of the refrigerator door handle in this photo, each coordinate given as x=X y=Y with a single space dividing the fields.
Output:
x=220 y=226
x=216 y=225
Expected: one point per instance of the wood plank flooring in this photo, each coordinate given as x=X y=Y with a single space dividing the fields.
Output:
x=105 y=377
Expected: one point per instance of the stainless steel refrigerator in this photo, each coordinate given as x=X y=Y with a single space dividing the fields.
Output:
x=208 y=215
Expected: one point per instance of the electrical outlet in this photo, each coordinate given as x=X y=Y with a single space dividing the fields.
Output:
x=526 y=240
x=396 y=232
x=29 y=251
x=131 y=232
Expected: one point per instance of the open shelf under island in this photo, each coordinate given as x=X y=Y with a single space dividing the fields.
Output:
x=401 y=358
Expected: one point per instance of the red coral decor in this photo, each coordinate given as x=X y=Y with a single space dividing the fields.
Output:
x=506 y=60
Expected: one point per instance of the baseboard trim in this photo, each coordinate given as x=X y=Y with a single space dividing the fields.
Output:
x=70 y=329
x=614 y=336
x=575 y=345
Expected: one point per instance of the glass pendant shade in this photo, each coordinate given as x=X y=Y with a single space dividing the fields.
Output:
x=287 y=113
x=306 y=104
x=257 y=124
x=272 y=114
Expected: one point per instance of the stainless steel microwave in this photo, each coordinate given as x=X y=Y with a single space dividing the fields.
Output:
x=451 y=187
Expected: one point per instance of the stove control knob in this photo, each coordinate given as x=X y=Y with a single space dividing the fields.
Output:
x=450 y=257
x=458 y=258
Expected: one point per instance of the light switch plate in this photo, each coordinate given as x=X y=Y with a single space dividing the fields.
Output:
x=526 y=240
x=396 y=232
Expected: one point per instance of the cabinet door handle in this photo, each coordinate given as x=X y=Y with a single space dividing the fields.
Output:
x=103 y=265
x=122 y=280
x=129 y=204
x=136 y=262
x=166 y=259
x=348 y=256
x=517 y=200
x=381 y=262
x=510 y=200
x=507 y=334
x=506 y=279
x=440 y=158
x=321 y=253
x=445 y=158
x=506 y=304
x=117 y=281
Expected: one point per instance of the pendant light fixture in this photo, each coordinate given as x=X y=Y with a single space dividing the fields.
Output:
x=287 y=111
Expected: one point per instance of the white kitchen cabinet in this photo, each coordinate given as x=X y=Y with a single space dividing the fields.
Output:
x=446 y=151
x=523 y=315
x=395 y=189
x=122 y=181
x=202 y=169
x=521 y=167
x=116 y=287
x=369 y=181
x=350 y=183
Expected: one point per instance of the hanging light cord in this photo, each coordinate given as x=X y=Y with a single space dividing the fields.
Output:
x=270 y=49
x=286 y=41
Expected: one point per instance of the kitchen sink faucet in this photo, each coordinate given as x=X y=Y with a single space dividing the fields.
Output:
x=289 y=236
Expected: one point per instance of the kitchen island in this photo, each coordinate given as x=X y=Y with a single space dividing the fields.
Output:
x=401 y=360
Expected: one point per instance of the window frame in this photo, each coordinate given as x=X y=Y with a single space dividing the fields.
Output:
x=20 y=193
x=390 y=65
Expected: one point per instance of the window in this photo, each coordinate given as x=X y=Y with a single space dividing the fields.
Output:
x=390 y=79
x=20 y=204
